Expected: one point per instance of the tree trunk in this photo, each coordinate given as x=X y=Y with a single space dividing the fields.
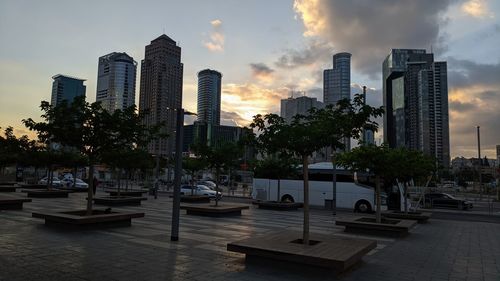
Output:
x=278 y=199
x=90 y=193
x=75 y=169
x=405 y=190
x=377 y=198
x=217 y=174
x=118 y=179
x=334 y=181
x=305 y=171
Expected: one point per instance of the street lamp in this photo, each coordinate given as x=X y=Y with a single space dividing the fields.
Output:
x=174 y=235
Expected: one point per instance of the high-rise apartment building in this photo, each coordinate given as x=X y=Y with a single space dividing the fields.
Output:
x=337 y=83
x=415 y=91
x=300 y=105
x=116 y=81
x=209 y=96
x=66 y=88
x=161 y=89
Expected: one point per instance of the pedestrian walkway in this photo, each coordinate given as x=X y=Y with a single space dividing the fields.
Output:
x=440 y=250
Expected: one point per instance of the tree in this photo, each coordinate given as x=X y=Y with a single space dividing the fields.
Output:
x=276 y=166
x=412 y=165
x=12 y=148
x=299 y=138
x=377 y=160
x=193 y=166
x=346 y=119
x=218 y=157
x=91 y=130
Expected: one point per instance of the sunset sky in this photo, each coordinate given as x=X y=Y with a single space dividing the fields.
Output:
x=264 y=49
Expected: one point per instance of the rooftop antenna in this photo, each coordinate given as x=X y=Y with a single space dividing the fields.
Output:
x=431 y=49
x=163 y=30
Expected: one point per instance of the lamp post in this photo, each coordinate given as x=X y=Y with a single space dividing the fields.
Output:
x=480 y=163
x=174 y=235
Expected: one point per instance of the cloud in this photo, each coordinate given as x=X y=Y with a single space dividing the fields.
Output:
x=477 y=9
x=360 y=25
x=315 y=51
x=249 y=99
x=474 y=99
x=262 y=72
x=216 y=42
x=232 y=119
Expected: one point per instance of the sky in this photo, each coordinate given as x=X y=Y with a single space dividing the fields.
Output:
x=266 y=50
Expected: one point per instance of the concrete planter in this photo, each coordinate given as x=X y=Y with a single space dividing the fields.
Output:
x=368 y=225
x=325 y=251
x=223 y=210
x=78 y=220
x=47 y=193
x=119 y=200
x=11 y=203
x=278 y=206
x=420 y=217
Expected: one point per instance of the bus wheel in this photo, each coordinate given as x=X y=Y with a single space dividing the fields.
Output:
x=363 y=206
x=287 y=198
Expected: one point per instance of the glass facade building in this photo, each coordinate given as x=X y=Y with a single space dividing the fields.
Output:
x=415 y=92
x=209 y=96
x=337 y=83
x=116 y=81
x=66 y=88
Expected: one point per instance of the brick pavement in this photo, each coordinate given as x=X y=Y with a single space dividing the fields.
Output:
x=440 y=250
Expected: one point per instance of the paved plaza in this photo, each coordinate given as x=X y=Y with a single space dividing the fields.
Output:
x=439 y=250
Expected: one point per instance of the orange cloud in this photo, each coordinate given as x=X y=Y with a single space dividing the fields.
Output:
x=477 y=9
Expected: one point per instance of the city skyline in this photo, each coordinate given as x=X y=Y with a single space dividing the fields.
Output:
x=262 y=61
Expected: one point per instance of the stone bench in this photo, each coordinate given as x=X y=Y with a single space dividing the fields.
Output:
x=46 y=193
x=134 y=193
x=119 y=200
x=420 y=217
x=222 y=210
x=326 y=251
x=78 y=220
x=11 y=203
x=368 y=225
x=278 y=206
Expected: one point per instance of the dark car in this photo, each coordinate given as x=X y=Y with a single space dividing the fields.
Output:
x=444 y=200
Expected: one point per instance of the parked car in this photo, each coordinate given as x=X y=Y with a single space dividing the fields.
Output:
x=207 y=183
x=198 y=190
x=444 y=200
x=55 y=182
x=68 y=182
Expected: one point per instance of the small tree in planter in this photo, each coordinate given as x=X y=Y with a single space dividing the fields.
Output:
x=413 y=165
x=346 y=119
x=299 y=138
x=378 y=160
x=90 y=129
x=218 y=157
x=193 y=166
x=277 y=166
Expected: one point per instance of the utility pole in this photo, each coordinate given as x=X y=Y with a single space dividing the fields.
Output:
x=480 y=163
x=174 y=236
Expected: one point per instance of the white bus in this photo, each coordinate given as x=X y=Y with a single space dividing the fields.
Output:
x=351 y=194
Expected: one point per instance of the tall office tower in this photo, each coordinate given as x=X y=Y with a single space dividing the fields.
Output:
x=161 y=89
x=66 y=88
x=337 y=83
x=300 y=105
x=116 y=81
x=209 y=96
x=416 y=103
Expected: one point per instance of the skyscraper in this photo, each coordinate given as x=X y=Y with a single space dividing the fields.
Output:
x=337 y=83
x=300 y=105
x=416 y=103
x=116 y=81
x=66 y=88
x=161 y=89
x=209 y=96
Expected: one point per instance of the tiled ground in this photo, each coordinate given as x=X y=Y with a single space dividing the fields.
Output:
x=440 y=250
